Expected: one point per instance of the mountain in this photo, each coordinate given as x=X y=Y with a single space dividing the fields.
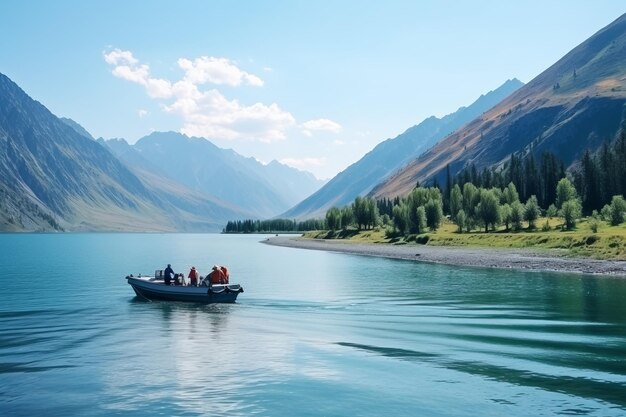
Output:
x=53 y=177
x=261 y=190
x=77 y=127
x=392 y=154
x=576 y=104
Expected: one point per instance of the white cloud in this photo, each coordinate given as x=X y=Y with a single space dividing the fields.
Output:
x=207 y=112
x=128 y=68
x=303 y=163
x=208 y=69
x=212 y=115
x=309 y=127
x=117 y=57
x=142 y=113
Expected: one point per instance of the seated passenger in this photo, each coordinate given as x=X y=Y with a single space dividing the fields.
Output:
x=193 y=277
x=226 y=274
x=217 y=276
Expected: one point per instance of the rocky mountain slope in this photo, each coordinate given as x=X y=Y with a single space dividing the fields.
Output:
x=54 y=178
x=576 y=104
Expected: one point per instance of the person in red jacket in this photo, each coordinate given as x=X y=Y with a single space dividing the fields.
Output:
x=193 y=277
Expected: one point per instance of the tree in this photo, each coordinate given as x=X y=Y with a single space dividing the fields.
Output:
x=531 y=211
x=360 y=211
x=618 y=210
x=456 y=201
x=420 y=219
x=460 y=220
x=510 y=194
x=565 y=191
x=505 y=215
x=365 y=212
x=531 y=178
x=371 y=212
x=401 y=217
x=448 y=191
x=488 y=209
x=552 y=211
x=347 y=217
x=434 y=213
x=418 y=197
x=605 y=213
x=333 y=218
x=471 y=198
x=517 y=215
x=571 y=212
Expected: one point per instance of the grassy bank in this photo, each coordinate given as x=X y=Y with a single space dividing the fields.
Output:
x=609 y=242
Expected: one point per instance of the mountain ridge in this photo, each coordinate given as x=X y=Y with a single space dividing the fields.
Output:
x=391 y=154
x=575 y=104
x=259 y=189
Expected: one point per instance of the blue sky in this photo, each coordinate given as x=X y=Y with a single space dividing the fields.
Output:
x=315 y=85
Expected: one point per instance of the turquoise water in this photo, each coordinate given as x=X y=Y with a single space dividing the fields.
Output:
x=315 y=334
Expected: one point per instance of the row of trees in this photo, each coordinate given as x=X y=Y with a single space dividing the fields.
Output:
x=422 y=208
x=272 y=226
x=470 y=207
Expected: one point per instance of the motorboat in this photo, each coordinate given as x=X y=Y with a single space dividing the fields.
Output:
x=155 y=288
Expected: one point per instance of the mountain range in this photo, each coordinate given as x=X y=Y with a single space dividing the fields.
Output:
x=574 y=105
x=391 y=155
x=261 y=190
x=55 y=176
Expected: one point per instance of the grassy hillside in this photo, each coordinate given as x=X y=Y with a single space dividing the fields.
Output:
x=608 y=243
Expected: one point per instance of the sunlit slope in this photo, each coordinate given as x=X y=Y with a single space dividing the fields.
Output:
x=576 y=104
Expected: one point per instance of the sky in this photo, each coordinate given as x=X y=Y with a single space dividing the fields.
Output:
x=312 y=84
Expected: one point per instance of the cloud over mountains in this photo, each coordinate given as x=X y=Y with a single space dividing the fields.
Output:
x=207 y=112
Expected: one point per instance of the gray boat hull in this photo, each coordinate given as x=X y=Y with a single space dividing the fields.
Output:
x=151 y=289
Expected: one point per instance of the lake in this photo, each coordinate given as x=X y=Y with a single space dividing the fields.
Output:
x=314 y=334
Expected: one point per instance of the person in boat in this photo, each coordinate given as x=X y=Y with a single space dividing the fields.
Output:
x=216 y=276
x=179 y=279
x=193 y=277
x=168 y=274
x=226 y=274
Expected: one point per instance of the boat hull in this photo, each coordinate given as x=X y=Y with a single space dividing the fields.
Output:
x=157 y=290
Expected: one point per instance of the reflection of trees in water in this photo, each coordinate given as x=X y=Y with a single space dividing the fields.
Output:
x=589 y=298
x=591 y=305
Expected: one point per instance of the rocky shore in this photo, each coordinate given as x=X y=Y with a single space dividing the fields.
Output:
x=519 y=258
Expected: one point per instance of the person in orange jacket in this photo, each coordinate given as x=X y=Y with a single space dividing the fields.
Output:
x=226 y=274
x=193 y=277
x=217 y=276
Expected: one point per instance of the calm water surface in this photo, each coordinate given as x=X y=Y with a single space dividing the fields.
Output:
x=315 y=334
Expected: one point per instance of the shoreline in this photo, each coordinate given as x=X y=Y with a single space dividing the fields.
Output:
x=523 y=259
